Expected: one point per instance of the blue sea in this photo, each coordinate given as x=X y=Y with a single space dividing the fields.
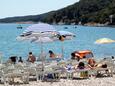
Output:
x=84 y=40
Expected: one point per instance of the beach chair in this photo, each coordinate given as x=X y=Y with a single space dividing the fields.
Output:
x=32 y=72
x=51 y=74
x=2 y=78
x=24 y=72
x=13 y=74
x=106 y=68
x=68 y=70
x=113 y=60
x=74 y=62
x=39 y=72
x=81 y=70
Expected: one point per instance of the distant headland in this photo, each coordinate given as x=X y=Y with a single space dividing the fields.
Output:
x=85 y=12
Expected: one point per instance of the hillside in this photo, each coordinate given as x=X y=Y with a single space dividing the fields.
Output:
x=86 y=11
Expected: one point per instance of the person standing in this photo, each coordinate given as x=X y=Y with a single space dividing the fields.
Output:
x=20 y=60
x=51 y=54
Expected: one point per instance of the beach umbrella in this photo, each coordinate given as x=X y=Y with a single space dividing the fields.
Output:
x=104 y=41
x=65 y=35
x=40 y=27
x=40 y=32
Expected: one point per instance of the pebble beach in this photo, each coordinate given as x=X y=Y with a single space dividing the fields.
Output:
x=102 y=81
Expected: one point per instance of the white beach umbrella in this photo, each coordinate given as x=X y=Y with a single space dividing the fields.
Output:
x=40 y=27
x=40 y=32
x=104 y=41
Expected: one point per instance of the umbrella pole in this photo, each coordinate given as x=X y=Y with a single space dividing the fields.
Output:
x=42 y=55
x=62 y=47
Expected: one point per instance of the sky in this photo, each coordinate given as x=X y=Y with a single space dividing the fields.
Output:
x=11 y=8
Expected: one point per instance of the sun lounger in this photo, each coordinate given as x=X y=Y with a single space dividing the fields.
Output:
x=51 y=74
x=104 y=72
x=10 y=73
x=2 y=78
x=105 y=68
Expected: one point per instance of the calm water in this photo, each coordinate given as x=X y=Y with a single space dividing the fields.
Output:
x=85 y=38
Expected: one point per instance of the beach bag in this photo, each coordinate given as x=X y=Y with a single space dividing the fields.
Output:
x=84 y=74
x=50 y=76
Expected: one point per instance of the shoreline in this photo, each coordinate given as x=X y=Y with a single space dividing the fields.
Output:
x=66 y=24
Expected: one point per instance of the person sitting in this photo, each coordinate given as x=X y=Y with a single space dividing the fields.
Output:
x=73 y=57
x=104 y=65
x=69 y=71
x=52 y=55
x=91 y=63
x=81 y=65
x=13 y=59
x=20 y=60
x=112 y=57
x=31 y=57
